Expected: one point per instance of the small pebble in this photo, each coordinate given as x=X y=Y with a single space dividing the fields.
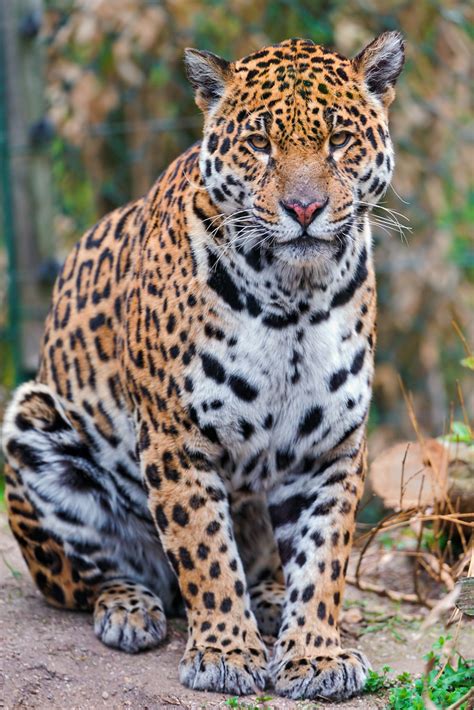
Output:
x=105 y=695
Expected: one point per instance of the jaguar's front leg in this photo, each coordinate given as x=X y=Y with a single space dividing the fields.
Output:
x=314 y=520
x=224 y=652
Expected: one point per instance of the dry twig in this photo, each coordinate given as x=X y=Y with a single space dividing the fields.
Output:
x=392 y=594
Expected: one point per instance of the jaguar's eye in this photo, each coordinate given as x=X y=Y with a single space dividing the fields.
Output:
x=259 y=142
x=339 y=139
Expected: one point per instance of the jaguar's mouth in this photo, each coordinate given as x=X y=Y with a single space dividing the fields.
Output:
x=305 y=244
x=305 y=240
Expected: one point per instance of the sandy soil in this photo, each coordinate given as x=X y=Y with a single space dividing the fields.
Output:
x=51 y=659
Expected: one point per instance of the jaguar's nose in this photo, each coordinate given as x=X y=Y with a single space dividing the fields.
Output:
x=302 y=212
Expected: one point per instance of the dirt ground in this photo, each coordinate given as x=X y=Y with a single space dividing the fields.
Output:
x=51 y=659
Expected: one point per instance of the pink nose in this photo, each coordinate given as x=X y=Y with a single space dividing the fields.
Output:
x=304 y=213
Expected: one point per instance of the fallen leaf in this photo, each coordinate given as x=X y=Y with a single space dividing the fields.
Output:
x=409 y=474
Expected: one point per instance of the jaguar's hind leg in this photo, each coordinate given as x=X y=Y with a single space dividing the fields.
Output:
x=128 y=616
x=65 y=514
x=267 y=598
x=43 y=452
x=54 y=573
x=261 y=559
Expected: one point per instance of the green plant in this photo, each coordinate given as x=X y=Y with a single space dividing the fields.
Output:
x=237 y=704
x=461 y=432
x=14 y=571
x=407 y=539
x=378 y=681
x=468 y=362
x=444 y=683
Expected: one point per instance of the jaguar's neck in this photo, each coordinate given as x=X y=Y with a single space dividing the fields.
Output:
x=270 y=281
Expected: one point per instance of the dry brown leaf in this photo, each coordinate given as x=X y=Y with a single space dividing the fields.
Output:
x=409 y=474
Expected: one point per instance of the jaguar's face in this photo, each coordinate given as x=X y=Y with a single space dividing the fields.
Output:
x=296 y=144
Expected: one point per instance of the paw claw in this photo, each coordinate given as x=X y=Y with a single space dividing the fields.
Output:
x=235 y=671
x=129 y=627
x=336 y=677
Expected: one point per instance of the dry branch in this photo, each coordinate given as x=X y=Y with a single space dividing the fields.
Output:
x=392 y=594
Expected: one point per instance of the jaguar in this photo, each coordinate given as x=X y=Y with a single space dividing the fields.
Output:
x=194 y=441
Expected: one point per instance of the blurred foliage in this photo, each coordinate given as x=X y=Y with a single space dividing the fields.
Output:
x=463 y=432
x=123 y=110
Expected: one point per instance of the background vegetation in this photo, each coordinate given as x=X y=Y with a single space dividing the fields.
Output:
x=121 y=109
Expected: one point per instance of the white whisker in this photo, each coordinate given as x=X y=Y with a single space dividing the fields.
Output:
x=386 y=209
x=405 y=202
x=388 y=221
x=389 y=227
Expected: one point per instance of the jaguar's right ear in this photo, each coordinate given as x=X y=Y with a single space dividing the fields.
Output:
x=208 y=74
x=380 y=63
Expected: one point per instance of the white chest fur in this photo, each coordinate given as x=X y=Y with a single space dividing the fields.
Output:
x=273 y=400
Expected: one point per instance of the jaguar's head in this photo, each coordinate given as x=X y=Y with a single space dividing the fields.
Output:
x=296 y=144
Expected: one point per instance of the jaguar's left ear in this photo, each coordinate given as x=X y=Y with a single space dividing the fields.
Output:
x=208 y=74
x=380 y=63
